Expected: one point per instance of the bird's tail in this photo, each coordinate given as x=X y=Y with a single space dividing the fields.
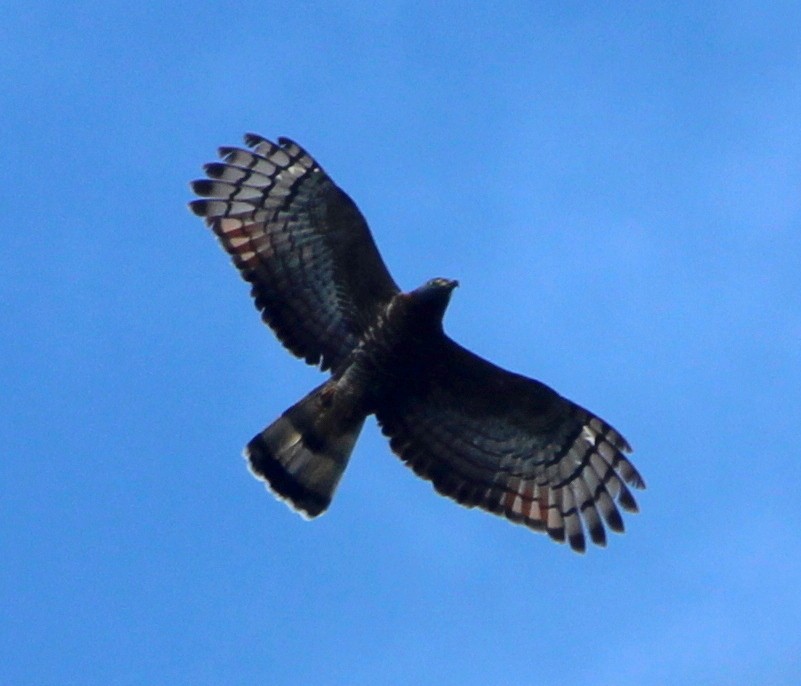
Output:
x=303 y=454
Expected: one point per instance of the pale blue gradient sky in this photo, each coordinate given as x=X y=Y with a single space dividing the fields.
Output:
x=619 y=193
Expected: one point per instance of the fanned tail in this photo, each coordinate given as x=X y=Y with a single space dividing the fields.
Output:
x=302 y=455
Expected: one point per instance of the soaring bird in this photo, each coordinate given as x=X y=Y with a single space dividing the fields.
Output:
x=483 y=436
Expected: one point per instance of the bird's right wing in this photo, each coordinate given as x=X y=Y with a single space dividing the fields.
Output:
x=508 y=444
x=301 y=242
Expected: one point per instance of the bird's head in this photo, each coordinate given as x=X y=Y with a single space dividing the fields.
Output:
x=438 y=289
x=433 y=297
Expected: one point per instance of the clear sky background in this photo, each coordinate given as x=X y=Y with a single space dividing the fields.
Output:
x=617 y=188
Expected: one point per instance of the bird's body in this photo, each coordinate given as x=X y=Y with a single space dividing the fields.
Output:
x=307 y=449
x=484 y=436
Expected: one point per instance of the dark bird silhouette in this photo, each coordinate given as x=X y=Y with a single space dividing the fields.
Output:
x=484 y=436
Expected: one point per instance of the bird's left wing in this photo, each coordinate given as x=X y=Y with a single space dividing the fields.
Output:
x=508 y=444
x=301 y=242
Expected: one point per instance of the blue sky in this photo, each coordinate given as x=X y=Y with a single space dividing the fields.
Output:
x=618 y=189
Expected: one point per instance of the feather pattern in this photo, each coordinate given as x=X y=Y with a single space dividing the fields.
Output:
x=483 y=436
x=301 y=242
x=463 y=420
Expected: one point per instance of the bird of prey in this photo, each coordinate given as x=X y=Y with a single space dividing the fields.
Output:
x=483 y=436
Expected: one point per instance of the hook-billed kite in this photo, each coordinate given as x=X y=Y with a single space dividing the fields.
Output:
x=483 y=436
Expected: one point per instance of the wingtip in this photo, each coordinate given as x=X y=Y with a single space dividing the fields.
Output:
x=202 y=187
x=598 y=535
x=577 y=543
x=615 y=521
x=215 y=170
x=198 y=207
x=254 y=139
x=627 y=501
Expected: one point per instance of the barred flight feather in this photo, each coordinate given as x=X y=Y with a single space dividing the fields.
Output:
x=483 y=436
